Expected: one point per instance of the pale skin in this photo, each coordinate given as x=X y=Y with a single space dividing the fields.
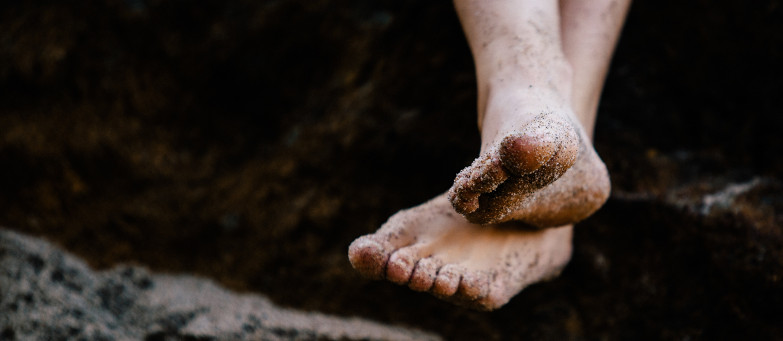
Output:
x=540 y=67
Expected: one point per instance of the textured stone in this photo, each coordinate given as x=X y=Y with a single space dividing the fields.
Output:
x=47 y=294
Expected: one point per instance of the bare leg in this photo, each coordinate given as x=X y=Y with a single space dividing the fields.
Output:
x=590 y=29
x=432 y=248
x=530 y=134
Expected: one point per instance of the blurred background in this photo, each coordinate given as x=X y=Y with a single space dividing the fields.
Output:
x=251 y=141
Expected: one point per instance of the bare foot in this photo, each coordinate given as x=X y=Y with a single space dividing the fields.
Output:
x=432 y=248
x=581 y=191
x=537 y=165
x=531 y=140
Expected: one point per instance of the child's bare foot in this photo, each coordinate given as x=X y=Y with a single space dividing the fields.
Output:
x=537 y=163
x=432 y=248
x=580 y=192
x=540 y=67
x=524 y=154
x=516 y=177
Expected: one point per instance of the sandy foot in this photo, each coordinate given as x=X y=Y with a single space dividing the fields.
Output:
x=533 y=172
x=432 y=248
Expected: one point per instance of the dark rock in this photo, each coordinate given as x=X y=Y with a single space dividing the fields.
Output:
x=250 y=142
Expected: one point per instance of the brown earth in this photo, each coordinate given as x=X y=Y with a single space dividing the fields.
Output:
x=251 y=142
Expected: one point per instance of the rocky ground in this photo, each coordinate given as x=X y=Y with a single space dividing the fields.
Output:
x=49 y=295
x=250 y=142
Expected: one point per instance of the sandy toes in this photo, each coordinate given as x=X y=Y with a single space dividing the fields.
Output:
x=432 y=248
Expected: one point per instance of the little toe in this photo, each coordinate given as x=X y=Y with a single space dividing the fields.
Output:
x=447 y=282
x=496 y=297
x=473 y=286
x=401 y=264
x=423 y=277
x=369 y=257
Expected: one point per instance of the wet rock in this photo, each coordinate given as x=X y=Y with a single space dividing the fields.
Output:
x=46 y=294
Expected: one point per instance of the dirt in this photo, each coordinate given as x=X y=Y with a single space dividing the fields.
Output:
x=251 y=142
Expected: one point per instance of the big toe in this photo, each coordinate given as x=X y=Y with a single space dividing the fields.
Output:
x=525 y=153
x=546 y=137
x=369 y=257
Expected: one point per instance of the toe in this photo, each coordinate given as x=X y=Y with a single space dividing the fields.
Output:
x=497 y=294
x=447 y=282
x=565 y=155
x=473 y=286
x=424 y=274
x=564 y=158
x=494 y=300
x=484 y=175
x=401 y=265
x=524 y=153
x=546 y=137
x=369 y=256
x=464 y=201
x=567 y=152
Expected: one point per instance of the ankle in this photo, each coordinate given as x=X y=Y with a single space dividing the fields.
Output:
x=531 y=84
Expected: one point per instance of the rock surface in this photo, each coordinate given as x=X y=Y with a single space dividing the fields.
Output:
x=46 y=294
